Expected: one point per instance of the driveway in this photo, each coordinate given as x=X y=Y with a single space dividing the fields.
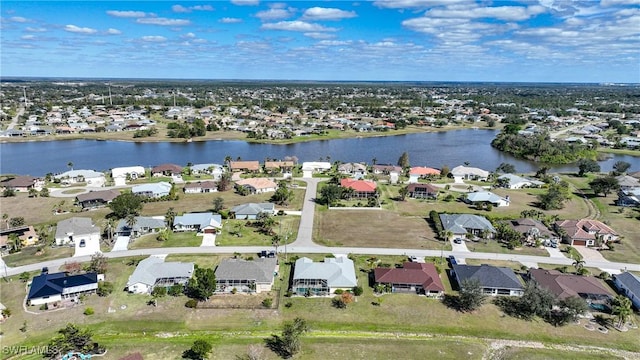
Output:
x=208 y=240
x=554 y=252
x=462 y=247
x=305 y=231
x=589 y=254
x=121 y=244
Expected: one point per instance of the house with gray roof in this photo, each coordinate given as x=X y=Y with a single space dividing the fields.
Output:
x=143 y=225
x=469 y=173
x=495 y=281
x=251 y=211
x=79 y=232
x=204 y=223
x=462 y=225
x=512 y=181
x=153 y=190
x=246 y=276
x=90 y=177
x=215 y=170
x=628 y=284
x=154 y=271
x=95 y=199
x=323 y=278
x=487 y=197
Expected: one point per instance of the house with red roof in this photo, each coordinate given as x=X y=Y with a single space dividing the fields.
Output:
x=585 y=232
x=422 y=191
x=361 y=188
x=412 y=277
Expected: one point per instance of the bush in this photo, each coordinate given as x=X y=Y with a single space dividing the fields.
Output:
x=191 y=303
x=338 y=303
x=339 y=291
x=104 y=288
x=175 y=290
x=159 y=291
x=88 y=311
x=288 y=304
x=6 y=313
x=357 y=291
x=268 y=302
x=44 y=307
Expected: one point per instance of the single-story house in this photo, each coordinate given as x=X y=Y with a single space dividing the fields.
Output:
x=167 y=170
x=154 y=271
x=355 y=169
x=143 y=225
x=512 y=181
x=215 y=170
x=247 y=166
x=200 y=187
x=627 y=182
x=48 y=288
x=566 y=285
x=22 y=183
x=629 y=197
x=279 y=166
x=120 y=174
x=361 y=188
x=628 y=284
x=250 y=211
x=469 y=173
x=26 y=234
x=386 y=169
x=421 y=172
x=495 y=281
x=258 y=185
x=414 y=277
x=246 y=276
x=90 y=177
x=532 y=229
x=487 y=197
x=422 y=191
x=309 y=168
x=461 y=225
x=323 y=278
x=81 y=232
x=95 y=199
x=585 y=232
x=152 y=190
x=204 y=223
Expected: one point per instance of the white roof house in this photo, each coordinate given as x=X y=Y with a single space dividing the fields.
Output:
x=308 y=168
x=153 y=271
x=215 y=170
x=201 y=222
x=153 y=190
x=487 y=197
x=119 y=174
x=323 y=278
x=92 y=178
x=81 y=232
x=473 y=173
x=518 y=182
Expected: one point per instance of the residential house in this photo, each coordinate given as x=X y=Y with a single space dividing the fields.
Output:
x=563 y=285
x=22 y=183
x=153 y=190
x=95 y=199
x=49 y=288
x=245 y=166
x=355 y=169
x=495 y=281
x=257 y=185
x=511 y=181
x=284 y=167
x=422 y=191
x=201 y=187
x=412 y=277
x=585 y=232
x=466 y=226
x=487 y=197
x=532 y=230
x=171 y=170
x=246 y=276
x=143 y=225
x=27 y=236
x=309 y=168
x=461 y=173
x=215 y=170
x=81 y=232
x=385 y=169
x=421 y=172
x=90 y=177
x=629 y=197
x=120 y=175
x=323 y=278
x=627 y=182
x=250 y=211
x=203 y=223
x=361 y=188
x=154 y=272
x=628 y=284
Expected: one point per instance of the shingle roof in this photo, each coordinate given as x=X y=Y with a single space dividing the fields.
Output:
x=54 y=284
x=420 y=170
x=513 y=179
x=155 y=188
x=260 y=270
x=257 y=183
x=76 y=225
x=459 y=222
x=252 y=208
x=566 y=285
x=18 y=181
x=104 y=195
x=464 y=170
x=630 y=281
x=489 y=276
x=201 y=185
x=201 y=219
x=149 y=222
x=173 y=168
x=339 y=272
x=423 y=274
x=152 y=268
x=244 y=165
x=419 y=187
x=482 y=196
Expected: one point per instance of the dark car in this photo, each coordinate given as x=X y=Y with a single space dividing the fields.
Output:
x=452 y=260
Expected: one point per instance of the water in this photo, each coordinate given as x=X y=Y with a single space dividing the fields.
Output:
x=433 y=149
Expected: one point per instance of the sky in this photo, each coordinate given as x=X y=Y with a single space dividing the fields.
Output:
x=382 y=40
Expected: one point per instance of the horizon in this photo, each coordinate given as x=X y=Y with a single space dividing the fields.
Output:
x=460 y=41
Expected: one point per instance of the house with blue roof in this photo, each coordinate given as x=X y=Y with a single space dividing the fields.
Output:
x=203 y=223
x=512 y=181
x=495 y=281
x=628 y=284
x=487 y=197
x=49 y=288
x=323 y=278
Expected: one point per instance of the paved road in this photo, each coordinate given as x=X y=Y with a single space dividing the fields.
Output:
x=305 y=231
x=15 y=119
x=59 y=192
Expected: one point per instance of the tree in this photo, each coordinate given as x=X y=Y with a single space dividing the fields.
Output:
x=198 y=351
x=329 y=194
x=126 y=204
x=403 y=161
x=70 y=165
x=403 y=192
x=288 y=344
x=445 y=171
x=621 y=309
x=8 y=192
x=555 y=197
x=33 y=192
x=169 y=217
x=44 y=192
x=604 y=185
x=471 y=296
x=159 y=291
x=218 y=204
x=98 y=263
x=621 y=167
x=267 y=222
x=16 y=221
x=71 y=338
x=224 y=183
x=202 y=284
x=130 y=220
x=283 y=194
x=506 y=168
x=586 y=166
x=104 y=288
x=535 y=301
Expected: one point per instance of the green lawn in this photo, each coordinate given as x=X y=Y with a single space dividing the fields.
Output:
x=31 y=255
x=493 y=246
x=239 y=232
x=176 y=239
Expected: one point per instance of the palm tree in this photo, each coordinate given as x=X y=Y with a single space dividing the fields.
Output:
x=578 y=264
x=5 y=218
x=621 y=309
x=169 y=217
x=70 y=165
x=130 y=220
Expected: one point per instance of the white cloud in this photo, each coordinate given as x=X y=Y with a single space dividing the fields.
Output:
x=319 y=13
x=507 y=13
x=274 y=14
x=79 y=30
x=202 y=8
x=189 y=35
x=296 y=25
x=163 y=21
x=334 y=42
x=411 y=4
x=180 y=9
x=619 y=2
x=183 y=9
x=245 y=2
x=28 y=37
x=229 y=20
x=127 y=13
x=153 y=38
x=319 y=35
x=112 y=31
x=19 y=19
x=35 y=30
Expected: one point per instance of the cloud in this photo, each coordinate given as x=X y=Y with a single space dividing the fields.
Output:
x=180 y=9
x=189 y=35
x=163 y=21
x=183 y=9
x=28 y=37
x=319 y=35
x=35 y=30
x=79 y=30
x=274 y=14
x=19 y=19
x=245 y=2
x=507 y=13
x=411 y=4
x=112 y=31
x=619 y=2
x=229 y=20
x=127 y=13
x=296 y=25
x=319 y=13
x=153 y=38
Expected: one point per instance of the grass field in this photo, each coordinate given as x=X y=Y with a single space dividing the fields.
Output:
x=31 y=255
x=179 y=239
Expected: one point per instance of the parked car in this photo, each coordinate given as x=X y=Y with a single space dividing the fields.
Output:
x=457 y=241
x=452 y=260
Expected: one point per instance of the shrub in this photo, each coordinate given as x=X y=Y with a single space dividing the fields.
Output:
x=88 y=311
x=175 y=290
x=357 y=291
x=339 y=291
x=6 y=313
x=288 y=304
x=104 y=288
x=347 y=297
x=159 y=291
x=338 y=303
x=191 y=303
x=44 y=307
x=268 y=302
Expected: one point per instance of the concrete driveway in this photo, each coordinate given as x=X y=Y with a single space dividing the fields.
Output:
x=208 y=240
x=462 y=247
x=121 y=244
